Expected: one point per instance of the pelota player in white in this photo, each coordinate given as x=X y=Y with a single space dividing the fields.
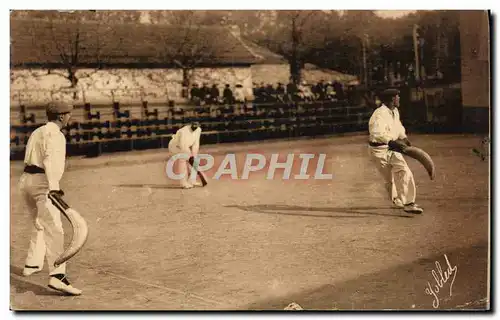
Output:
x=387 y=136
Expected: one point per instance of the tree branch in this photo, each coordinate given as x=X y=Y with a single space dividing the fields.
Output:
x=50 y=72
x=62 y=53
x=177 y=62
x=76 y=45
x=304 y=19
x=88 y=74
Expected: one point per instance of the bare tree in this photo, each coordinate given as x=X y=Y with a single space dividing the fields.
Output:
x=292 y=34
x=186 y=41
x=65 y=42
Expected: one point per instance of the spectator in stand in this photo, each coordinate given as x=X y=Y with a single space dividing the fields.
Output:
x=319 y=90
x=339 y=90
x=280 y=92
x=330 y=91
x=305 y=92
x=214 y=94
x=261 y=91
x=239 y=94
x=228 y=95
x=255 y=91
x=258 y=93
x=300 y=90
x=270 y=93
x=291 y=91
x=205 y=93
x=315 y=89
x=195 y=94
x=308 y=93
x=280 y=89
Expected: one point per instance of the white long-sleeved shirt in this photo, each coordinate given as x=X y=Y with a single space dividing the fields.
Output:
x=385 y=125
x=46 y=149
x=185 y=138
x=239 y=94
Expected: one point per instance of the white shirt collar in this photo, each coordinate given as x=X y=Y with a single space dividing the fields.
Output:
x=53 y=127
x=388 y=109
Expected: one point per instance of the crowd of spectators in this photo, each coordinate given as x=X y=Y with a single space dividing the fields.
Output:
x=269 y=93
x=303 y=91
x=212 y=95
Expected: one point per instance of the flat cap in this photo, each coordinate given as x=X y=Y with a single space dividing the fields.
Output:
x=391 y=92
x=58 y=107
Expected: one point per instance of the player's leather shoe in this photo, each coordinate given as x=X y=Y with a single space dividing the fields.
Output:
x=198 y=184
x=29 y=270
x=413 y=208
x=60 y=283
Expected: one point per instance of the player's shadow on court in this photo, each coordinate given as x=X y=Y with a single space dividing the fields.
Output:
x=23 y=286
x=152 y=186
x=338 y=212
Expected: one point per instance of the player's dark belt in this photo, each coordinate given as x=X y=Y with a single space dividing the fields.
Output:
x=376 y=144
x=33 y=169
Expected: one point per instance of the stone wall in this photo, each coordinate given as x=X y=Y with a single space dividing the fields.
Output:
x=34 y=87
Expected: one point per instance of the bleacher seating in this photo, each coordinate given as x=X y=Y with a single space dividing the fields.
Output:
x=94 y=133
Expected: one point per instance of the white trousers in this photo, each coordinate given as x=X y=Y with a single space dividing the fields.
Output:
x=181 y=164
x=47 y=234
x=397 y=176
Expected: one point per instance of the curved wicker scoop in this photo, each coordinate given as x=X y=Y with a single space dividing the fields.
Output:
x=80 y=229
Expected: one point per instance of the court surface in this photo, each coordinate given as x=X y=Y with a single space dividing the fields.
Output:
x=261 y=244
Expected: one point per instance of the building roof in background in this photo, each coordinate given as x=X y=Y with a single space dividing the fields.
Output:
x=263 y=55
x=42 y=42
x=313 y=74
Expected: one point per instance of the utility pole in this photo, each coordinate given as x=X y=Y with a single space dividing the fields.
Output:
x=438 y=51
x=294 y=72
x=416 y=49
x=365 y=71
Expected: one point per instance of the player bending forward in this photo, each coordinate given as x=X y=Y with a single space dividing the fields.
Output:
x=186 y=141
x=386 y=134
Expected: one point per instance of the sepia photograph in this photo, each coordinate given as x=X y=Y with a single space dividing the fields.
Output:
x=250 y=160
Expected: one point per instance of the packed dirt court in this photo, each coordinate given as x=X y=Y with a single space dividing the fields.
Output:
x=261 y=244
